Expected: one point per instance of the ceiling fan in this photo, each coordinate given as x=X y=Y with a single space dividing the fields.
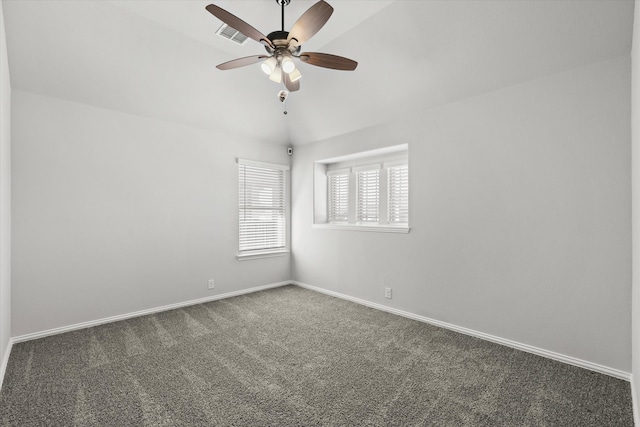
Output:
x=284 y=46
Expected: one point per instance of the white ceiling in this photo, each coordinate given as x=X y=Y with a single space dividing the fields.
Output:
x=158 y=58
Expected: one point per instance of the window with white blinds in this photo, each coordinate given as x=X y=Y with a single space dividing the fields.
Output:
x=262 y=207
x=398 y=188
x=368 y=195
x=338 y=197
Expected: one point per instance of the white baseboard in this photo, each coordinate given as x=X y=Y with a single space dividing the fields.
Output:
x=111 y=319
x=506 y=342
x=5 y=361
x=503 y=341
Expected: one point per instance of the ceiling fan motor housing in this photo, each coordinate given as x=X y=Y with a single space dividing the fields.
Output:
x=280 y=41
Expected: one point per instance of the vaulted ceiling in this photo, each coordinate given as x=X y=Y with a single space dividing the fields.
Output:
x=157 y=58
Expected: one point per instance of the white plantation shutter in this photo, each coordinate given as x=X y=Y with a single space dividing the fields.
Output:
x=262 y=212
x=338 y=196
x=398 y=188
x=368 y=195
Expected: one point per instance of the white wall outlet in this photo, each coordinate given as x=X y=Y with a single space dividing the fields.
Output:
x=211 y=284
x=387 y=293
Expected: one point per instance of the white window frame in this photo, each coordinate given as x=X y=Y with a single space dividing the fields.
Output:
x=381 y=160
x=264 y=252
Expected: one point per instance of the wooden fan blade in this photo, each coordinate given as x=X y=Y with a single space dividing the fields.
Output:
x=328 y=61
x=238 y=24
x=310 y=22
x=291 y=86
x=241 y=62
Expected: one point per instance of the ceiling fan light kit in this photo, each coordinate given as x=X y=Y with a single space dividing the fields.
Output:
x=284 y=46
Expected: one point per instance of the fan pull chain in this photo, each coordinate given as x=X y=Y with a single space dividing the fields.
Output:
x=282 y=96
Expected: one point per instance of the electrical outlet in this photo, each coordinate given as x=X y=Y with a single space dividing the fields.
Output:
x=211 y=284
x=387 y=293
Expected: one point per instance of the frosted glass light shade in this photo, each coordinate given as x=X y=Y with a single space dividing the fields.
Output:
x=287 y=64
x=269 y=65
x=295 y=75
x=276 y=76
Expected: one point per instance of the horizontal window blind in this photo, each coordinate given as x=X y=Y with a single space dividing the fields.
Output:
x=368 y=195
x=338 y=198
x=398 y=188
x=262 y=208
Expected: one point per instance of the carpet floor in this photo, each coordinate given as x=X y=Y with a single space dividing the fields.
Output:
x=289 y=356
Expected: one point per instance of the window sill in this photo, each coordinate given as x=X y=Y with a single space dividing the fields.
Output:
x=374 y=228
x=259 y=255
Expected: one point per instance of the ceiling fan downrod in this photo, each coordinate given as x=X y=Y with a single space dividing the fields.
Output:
x=282 y=4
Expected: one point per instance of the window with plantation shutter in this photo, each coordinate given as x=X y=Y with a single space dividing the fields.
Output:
x=365 y=191
x=262 y=208
x=368 y=195
x=398 y=188
x=338 y=197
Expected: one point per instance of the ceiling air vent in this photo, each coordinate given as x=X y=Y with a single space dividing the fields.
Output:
x=232 y=34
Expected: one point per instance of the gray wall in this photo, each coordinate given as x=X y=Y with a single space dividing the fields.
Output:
x=5 y=195
x=114 y=213
x=635 y=166
x=520 y=215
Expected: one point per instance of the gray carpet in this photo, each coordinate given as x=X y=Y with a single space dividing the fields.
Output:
x=290 y=356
